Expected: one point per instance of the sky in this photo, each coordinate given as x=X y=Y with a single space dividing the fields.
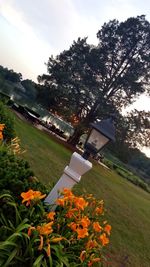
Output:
x=33 y=30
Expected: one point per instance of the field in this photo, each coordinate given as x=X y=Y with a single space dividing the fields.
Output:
x=128 y=206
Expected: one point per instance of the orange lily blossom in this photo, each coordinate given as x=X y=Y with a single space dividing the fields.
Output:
x=80 y=203
x=91 y=244
x=30 y=195
x=45 y=229
x=104 y=239
x=30 y=230
x=107 y=228
x=41 y=243
x=83 y=255
x=60 y=202
x=99 y=210
x=48 y=250
x=73 y=226
x=97 y=227
x=2 y=126
x=1 y=136
x=51 y=215
x=85 y=222
x=67 y=192
x=82 y=233
x=71 y=213
x=91 y=262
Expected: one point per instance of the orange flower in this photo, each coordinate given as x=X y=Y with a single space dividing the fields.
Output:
x=38 y=195
x=82 y=232
x=83 y=255
x=45 y=229
x=1 y=136
x=107 y=229
x=99 y=210
x=73 y=226
x=67 y=192
x=85 y=222
x=71 y=213
x=104 y=239
x=2 y=126
x=30 y=230
x=90 y=263
x=60 y=202
x=48 y=250
x=30 y=195
x=91 y=244
x=80 y=203
x=1 y=129
x=51 y=215
x=97 y=227
x=41 y=243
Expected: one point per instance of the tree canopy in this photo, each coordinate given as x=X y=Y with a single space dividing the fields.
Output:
x=10 y=75
x=87 y=82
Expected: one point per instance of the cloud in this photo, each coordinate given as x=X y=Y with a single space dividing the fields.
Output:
x=21 y=39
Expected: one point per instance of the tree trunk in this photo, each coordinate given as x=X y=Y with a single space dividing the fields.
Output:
x=74 y=139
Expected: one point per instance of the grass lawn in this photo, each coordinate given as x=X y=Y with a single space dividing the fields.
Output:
x=128 y=206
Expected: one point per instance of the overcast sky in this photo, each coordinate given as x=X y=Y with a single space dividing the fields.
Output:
x=32 y=30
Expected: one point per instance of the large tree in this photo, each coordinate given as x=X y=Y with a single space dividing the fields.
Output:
x=87 y=82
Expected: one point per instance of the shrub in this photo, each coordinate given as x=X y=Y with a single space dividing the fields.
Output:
x=15 y=173
x=74 y=235
x=133 y=178
x=127 y=175
x=6 y=118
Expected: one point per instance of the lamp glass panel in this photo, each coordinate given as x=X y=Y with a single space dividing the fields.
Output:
x=97 y=140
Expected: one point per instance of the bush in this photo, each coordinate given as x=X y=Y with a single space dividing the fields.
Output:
x=15 y=173
x=74 y=235
x=6 y=118
x=133 y=178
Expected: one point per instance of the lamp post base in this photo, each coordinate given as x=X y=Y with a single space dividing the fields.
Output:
x=71 y=176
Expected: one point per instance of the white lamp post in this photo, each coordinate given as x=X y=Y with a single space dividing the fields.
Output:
x=100 y=134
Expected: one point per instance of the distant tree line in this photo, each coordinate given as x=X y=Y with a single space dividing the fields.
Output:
x=10 y=75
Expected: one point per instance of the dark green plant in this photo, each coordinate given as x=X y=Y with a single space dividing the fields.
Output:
x=15 y=174
x=6 y=118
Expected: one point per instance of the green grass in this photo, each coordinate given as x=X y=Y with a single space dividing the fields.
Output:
x=128 y=206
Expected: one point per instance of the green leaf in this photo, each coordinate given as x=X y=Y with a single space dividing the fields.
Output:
x=38 y=261
x=5 y=245
x=12 y=255
x=6 y=195
x=18 y=218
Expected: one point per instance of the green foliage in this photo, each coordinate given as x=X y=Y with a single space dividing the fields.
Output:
x=141 y=163
x=15 y=173
x=34 y=236
x=6 y=118
x=30 y=87
x=4 y=98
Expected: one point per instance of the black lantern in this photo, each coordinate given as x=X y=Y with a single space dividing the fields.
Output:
x=101 y=134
